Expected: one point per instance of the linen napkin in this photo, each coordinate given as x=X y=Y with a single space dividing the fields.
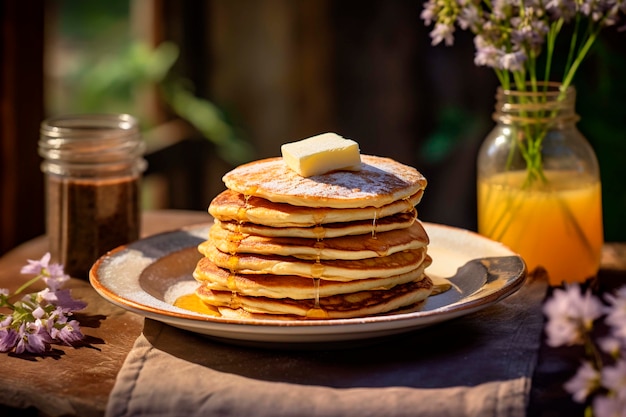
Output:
x=477 y=365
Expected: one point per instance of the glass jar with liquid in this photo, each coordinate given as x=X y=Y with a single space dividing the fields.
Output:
x=539 y=189
x=93 y=164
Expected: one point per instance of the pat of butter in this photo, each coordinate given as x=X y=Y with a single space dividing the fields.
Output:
x=321 y=154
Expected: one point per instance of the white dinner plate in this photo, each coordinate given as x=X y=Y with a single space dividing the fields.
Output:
x=148 y=275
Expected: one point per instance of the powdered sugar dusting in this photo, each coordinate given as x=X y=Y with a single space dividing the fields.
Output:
x=380 y=181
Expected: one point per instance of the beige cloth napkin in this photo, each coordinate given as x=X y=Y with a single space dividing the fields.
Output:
x=478 y=365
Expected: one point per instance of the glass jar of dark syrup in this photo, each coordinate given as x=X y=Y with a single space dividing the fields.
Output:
x=93 y=165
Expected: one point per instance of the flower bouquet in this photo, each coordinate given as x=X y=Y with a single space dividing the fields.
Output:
x=538 y=178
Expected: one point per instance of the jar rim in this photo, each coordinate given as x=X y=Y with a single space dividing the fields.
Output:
x=544 y=89
x=91 y=138
x=63 y=125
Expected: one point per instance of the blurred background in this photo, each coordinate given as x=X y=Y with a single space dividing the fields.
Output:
x=216 y=83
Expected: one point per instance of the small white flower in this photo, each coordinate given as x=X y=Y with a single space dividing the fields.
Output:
x=563 y=333
x=486 y=54
x=608 y=407
x=610 y=345
x=614 y=379
x=442 y=32
x=616 y=317
x=570 y=313
x=513 y=61
x=585 y=382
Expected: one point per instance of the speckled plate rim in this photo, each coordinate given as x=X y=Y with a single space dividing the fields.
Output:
x=116 y=277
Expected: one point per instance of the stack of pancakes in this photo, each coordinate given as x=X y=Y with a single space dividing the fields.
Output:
x=338 y=245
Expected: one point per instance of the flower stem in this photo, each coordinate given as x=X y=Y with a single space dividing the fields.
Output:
x=554 y=31
x=27 y=284
x=583 y=52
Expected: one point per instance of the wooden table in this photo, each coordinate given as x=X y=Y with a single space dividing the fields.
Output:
x=77 y=382
x=69 y=381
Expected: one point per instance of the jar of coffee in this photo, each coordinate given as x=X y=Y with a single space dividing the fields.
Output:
x=93 y=165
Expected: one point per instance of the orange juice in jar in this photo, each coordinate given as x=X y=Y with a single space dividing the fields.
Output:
x=555 y=224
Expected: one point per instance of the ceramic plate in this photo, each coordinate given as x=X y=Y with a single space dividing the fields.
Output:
x=148 y=275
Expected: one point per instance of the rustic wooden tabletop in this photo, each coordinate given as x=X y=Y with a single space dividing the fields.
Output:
x=77 y=381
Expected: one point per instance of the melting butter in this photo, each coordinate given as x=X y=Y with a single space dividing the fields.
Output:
x=321 y=154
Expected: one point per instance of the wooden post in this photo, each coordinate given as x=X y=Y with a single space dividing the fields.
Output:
x=21 y=112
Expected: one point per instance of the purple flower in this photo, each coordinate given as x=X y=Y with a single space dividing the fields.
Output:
x=608 y=407
x=442 y=32
x=429 y=14
x=529 y=32
x=610 y=345
x=614 y=379
x=513 y=61
x=56 y=278
x=469 y=18
x=32 y=338
x=486 y=54
x=5 y=321
x=512 y=33
x=68 y=333
x=36 y=267
x=601 y=379
x=8 y=335
x=51 y=273
x=585 y=382
x=616 y=317
x=570 y=313
x=8 y=339
x=562 y=9
x=62 y=298
x=40 y=318
x=38 y=312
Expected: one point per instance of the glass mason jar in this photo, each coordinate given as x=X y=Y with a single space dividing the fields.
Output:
x=92 y=165
x=538 y=184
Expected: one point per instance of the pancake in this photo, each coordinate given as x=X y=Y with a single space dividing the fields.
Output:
x=241 y=314
x=212 y=277
x=325 y=231
x=335 y=270
x=233 y=206
x=358 y=304
x=341 y=244
x=344 y=247
x=380 y=181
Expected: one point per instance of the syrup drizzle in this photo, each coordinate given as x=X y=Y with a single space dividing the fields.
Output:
x=233 y=249
x=317 y=271
x=411 y=209
x=317 y=268
x=375 y=221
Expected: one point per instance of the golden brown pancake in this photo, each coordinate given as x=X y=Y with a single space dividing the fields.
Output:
x=325 y=231
x=337 y=245
x=345 y=247
x=241 y=314
x=380 y=181
x=337 y=270
x=213 y=277
x=233 y=206
x=359 y=304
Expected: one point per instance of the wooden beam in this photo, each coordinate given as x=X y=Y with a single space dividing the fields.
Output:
x=21 y=111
